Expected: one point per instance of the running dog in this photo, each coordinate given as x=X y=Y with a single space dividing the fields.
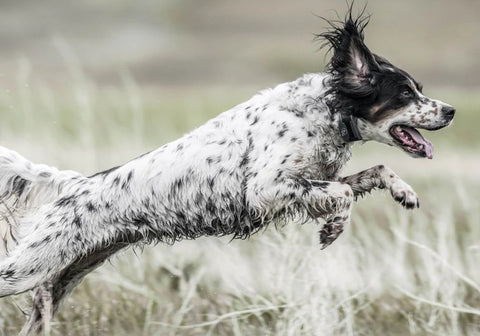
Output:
x=277 y=157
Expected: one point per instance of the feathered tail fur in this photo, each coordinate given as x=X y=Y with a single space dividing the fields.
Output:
x=24 y=187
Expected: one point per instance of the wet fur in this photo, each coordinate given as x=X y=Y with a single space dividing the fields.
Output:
x=275 y=158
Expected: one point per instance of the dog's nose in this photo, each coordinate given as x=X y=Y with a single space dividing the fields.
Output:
x=448 y=111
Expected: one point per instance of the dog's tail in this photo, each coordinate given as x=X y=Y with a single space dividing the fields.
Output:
x=24 y=186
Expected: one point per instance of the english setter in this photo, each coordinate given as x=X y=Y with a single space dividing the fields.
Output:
x=273 y=158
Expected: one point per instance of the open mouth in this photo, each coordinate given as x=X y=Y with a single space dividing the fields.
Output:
x=412 y=141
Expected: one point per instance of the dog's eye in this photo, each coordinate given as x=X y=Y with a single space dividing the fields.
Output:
x=407 y=93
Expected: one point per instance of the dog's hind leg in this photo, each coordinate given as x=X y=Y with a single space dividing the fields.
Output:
x=57 y=238
x=48 y=296
x=35 y=260
x=14 y=280
x=382 y=177
x=42 y=310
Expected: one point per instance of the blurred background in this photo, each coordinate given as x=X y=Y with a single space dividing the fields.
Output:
x=87 y=85
x=217 y=43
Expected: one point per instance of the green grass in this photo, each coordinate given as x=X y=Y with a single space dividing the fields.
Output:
x=393 y=272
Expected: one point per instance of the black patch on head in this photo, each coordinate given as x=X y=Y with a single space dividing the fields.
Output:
x=351 y=62
x=364 y=85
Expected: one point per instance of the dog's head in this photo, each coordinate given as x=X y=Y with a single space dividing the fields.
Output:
x=386 y=100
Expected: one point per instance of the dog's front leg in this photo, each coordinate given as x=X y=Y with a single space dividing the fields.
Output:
x=382 y=177
x=331 y=201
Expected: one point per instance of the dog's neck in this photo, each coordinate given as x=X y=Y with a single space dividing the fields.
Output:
x=348 y=128
x=312 y=94
x=306 y=98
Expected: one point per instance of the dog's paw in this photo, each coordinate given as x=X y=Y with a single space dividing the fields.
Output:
x=330 y=232
x=404 y=194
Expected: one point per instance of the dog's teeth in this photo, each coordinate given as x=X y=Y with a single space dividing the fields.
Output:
x=421 y=146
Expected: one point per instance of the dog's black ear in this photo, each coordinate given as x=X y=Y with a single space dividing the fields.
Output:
x=356 y=63
x=352 y=62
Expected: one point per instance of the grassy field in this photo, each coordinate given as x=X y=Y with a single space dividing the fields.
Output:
x=392 y=272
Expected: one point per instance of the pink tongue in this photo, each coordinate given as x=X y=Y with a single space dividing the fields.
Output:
x=418 y=138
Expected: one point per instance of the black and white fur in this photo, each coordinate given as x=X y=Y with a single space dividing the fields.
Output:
x=275 y=157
